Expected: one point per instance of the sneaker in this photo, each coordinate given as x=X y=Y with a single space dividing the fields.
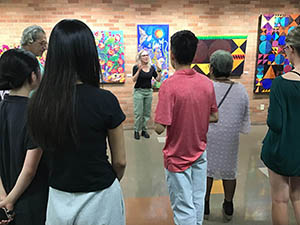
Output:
x=136 y=135
x=145 y=134
x=206 y=210
x=227 y=210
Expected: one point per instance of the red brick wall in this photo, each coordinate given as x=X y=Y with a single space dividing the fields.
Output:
x=203 y=17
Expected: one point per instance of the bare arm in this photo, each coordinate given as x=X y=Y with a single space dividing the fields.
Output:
x=214 y=117
x=159 y=128
x=158 y=78
x=158 y=67
x=117 y=149
x=27 y=174
x=2 y=191
x=136 y=75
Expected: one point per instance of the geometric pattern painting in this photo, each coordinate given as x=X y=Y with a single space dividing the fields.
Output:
x=110 y=47
x=154 y=38
x=207 y=45
x=271 y=58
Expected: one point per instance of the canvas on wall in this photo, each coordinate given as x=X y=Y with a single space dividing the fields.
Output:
x=110 y=47
x=271 y=58
x=207 y=45
x=6 y=47
x=154 y=38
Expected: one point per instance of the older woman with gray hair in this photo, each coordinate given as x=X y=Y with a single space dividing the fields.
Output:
x=223 y=137
x=34 y=40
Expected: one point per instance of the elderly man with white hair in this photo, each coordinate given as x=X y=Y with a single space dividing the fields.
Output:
x=34 y=40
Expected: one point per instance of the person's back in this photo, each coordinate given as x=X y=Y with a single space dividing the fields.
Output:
x=186 y=105
x=284 y=125
x=71 y=119
x=191 y=95
x=84 y=166
x=232 y=113
x=24 y=176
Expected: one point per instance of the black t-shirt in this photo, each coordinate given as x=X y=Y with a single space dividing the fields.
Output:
x=144 y=79
x=84 y=166
x=14 y=144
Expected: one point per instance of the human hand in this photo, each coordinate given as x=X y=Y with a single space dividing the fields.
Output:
x=140 y=66
x=157 y=64
x=7 y=205
x=6 y=215
x=4 y=222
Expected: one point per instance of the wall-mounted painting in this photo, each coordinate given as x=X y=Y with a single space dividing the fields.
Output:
x=271 y=58
x=154 y=38
x=110 y=46
x=6 y=47
x=207 y=45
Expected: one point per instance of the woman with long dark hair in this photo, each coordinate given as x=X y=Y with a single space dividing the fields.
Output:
x=23 y=183
x=70 y=117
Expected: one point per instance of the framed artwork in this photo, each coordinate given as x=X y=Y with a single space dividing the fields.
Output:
x=110 y=47
x=207 y=45
x=6 y=47
x=271 y=60
x=3 y=48
x=154 y=38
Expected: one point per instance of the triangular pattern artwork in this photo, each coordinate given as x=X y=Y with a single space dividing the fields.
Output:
x=207 y=45
x=271 y=58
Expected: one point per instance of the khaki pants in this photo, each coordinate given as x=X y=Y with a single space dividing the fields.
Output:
x=142 y=99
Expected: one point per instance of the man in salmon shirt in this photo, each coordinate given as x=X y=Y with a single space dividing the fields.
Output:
x=186 y=105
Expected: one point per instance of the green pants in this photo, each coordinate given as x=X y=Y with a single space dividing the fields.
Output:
x=142 y=99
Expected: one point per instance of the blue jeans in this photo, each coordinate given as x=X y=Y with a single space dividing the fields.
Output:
x=187 y=192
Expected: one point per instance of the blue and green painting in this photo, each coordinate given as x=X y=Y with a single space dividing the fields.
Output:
x=154 y=38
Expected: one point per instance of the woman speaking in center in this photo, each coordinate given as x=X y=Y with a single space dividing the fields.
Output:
x=142 y=73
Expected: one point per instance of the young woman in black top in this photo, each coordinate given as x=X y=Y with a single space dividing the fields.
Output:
x=23 y=183
x=71 y=118
x=142 y=73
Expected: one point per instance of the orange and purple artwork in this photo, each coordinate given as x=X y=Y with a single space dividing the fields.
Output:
x=110 y=47
x=271 y=58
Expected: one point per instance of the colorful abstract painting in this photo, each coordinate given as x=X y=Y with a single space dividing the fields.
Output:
x=154 y=38
x=207 y=45
x=271 y=58
x=4 y=48
x=110 y=46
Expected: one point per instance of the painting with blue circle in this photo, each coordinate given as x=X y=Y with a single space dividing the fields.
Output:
x=271 y=58
x=154 y=38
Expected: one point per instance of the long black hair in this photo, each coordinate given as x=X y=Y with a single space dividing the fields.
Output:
x=16 y=67
x=72 y=57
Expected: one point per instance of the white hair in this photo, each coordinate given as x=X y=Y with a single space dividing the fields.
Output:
x=31 y=34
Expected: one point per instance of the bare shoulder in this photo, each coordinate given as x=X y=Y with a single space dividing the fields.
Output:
x=291 y=76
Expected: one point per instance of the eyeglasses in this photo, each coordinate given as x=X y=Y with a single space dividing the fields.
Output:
x=144 y=55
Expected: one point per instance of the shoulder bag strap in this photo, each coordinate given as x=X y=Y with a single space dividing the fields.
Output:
x=225 y=95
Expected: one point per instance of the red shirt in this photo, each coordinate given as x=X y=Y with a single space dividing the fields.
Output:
x=185 y=102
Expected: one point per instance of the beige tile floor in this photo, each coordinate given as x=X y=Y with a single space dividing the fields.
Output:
x=146 y=196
